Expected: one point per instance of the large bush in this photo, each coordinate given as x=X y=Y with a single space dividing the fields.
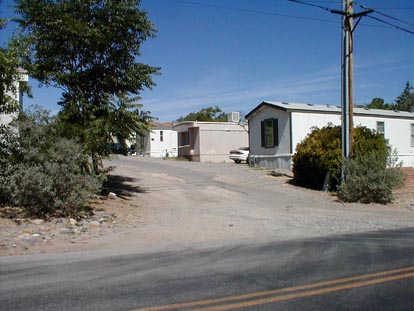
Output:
x=370 y=178
x=43 y=172
x=319 y=154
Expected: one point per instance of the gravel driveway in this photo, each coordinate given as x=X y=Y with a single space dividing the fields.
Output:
x=168 y=204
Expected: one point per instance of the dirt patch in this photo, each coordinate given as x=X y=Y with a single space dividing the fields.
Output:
x=166 y=204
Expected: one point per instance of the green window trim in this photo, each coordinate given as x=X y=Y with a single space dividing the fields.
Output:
x=269 y=133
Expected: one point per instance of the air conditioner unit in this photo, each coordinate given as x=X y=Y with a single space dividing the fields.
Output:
x=233 y=117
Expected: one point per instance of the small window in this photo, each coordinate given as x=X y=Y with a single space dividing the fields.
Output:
x=161 y=136
x=183 y=139
x=380 y=127
x=412 y=134
x=269 y=133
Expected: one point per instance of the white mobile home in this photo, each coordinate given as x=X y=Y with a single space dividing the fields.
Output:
x=160 y=142
x=275 y=128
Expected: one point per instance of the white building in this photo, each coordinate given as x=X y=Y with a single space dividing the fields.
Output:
x=16 y=95
x=160 y=142
x=276 y=128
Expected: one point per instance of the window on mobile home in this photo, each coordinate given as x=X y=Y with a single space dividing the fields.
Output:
x=412 y=134
x=269 y=133
x=381 y=127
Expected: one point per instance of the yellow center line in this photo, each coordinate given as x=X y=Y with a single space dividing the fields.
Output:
x=283 y=290
x=307 y=294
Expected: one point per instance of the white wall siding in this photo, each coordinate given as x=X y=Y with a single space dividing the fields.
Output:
x=396 y=131
x=16 y=95
x=7 y=118
x=302 y=124
x=266 y=157
x=158 y=148
x=297 y=120
x=283 y=130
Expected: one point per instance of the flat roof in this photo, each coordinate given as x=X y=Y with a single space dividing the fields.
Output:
x=309 y=108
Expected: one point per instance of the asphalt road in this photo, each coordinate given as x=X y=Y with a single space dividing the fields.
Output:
x=370 y=271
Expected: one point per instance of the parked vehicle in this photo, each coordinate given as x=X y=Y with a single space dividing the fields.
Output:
x=239 y=155
x=117 y=148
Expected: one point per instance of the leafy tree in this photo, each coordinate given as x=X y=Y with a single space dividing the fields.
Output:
x=127 y=118
x=89 y=50
x=405 y=101
x=378 y=103
x=209 y=114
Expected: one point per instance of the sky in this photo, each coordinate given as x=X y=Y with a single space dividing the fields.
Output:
x=234 y=54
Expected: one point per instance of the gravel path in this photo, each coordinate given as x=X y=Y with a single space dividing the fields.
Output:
x=171 y=204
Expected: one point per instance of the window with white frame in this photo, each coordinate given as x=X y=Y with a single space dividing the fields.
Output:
x=412 y=134
x=380 y=127
x=161 y=136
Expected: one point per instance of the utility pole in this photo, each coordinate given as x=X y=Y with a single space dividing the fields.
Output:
x=347 y=82
x=347 y=93
x=347 y=100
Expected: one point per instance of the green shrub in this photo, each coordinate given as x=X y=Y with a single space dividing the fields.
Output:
x=371 y=177
x=44 y=174
x=317 y=154
x=53 y=184
x=320 y=153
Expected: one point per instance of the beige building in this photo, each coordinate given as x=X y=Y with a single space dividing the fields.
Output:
x=210 y=141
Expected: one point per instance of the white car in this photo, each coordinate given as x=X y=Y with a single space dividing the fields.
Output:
x=239 y=155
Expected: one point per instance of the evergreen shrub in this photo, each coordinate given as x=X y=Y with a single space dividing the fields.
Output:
x=371 y=178
x=43 y=172
x=320 y=153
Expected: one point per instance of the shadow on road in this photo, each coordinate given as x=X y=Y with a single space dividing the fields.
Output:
x=122 y=186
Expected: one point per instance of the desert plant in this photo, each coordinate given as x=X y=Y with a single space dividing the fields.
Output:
x=371 y=178
x=44 y=172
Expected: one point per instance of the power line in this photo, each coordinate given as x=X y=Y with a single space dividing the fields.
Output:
x=252 y=11
x=389 y=24
x=390 y=17
x=188 y=2
x=368 y=10
x=386 y=15
x=394 y=18
x=412 y=8
x=311 y=4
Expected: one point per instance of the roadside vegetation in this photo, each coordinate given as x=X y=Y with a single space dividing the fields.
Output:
x=371 y=173
x=43 y=172
x=371 y=177
x=88 y=49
